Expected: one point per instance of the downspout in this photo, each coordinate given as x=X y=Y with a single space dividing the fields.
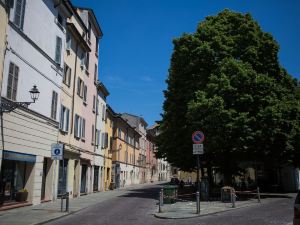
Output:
x=74 y=85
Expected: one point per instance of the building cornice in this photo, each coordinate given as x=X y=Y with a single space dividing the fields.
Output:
x=101 y=88
x=94 y=20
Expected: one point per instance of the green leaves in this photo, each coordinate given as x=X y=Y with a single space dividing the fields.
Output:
x=225 y=79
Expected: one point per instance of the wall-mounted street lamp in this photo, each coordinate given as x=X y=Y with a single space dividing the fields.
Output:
x=9 y=106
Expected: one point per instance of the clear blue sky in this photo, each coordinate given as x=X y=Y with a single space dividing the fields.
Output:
x=137 y=45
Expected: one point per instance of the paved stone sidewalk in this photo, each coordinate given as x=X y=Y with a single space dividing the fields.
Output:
x=39 y=214
x=182 y=210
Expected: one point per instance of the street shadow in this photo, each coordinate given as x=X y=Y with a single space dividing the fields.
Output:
x=150 y=193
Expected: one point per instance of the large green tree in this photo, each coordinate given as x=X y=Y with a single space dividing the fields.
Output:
x=225 y=79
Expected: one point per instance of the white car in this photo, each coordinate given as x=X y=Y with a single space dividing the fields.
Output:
x=296 y=220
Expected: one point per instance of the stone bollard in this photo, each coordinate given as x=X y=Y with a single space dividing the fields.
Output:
x=161 y=199
x=67 y=202
x=233 y=198
x=258 y=195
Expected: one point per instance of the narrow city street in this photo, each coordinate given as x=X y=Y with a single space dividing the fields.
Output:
x=138 y=205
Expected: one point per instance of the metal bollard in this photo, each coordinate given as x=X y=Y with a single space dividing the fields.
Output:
x=67 y=202
x=61 y=203
x=198 y=202
x=160 y=202
x=258 y=195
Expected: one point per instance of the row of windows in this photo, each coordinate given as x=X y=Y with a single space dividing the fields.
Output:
x=79 y=128
x=12 y=87
x=19 y=13
x=127 y=138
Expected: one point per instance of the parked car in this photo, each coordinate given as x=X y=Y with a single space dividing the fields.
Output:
x=174 y=181
x=296 y=219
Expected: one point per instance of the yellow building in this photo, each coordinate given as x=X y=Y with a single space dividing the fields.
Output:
x=3 y=27
x=108 y=150
x=125 y=152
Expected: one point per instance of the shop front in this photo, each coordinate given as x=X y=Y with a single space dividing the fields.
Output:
x=16 y=171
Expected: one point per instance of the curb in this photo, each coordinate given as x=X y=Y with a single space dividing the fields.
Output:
x=200 y=215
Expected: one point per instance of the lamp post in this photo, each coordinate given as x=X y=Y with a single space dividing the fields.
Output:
x=7 y=106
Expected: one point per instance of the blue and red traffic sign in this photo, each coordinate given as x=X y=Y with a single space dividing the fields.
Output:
x=198 y=137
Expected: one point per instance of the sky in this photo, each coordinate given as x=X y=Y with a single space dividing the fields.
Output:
x=136 y=46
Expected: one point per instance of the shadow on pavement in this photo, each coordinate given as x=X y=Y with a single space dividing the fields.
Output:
x=151 y=193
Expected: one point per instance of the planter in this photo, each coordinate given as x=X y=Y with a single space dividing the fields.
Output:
x=21 y=196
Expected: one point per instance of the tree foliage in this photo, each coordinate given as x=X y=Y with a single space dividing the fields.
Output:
x=225 y=79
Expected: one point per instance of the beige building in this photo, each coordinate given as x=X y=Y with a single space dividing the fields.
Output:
x=72 y=124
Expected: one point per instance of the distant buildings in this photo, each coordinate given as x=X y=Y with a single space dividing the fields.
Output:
x=54 y=46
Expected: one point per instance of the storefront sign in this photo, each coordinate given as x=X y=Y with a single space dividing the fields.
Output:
x=8 y=155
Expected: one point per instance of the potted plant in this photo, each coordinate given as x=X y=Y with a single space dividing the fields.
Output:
x=21 y=195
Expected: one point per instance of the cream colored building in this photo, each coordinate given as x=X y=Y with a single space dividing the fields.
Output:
x=73 y=135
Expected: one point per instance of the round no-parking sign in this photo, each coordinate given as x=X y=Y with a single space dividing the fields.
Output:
x=198 y=137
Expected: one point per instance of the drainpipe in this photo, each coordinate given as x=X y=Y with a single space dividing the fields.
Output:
x=74 y=85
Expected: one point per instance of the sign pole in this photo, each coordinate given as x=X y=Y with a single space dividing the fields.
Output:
x=198 y=138
x=198 y=179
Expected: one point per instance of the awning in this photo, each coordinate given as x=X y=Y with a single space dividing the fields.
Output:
x=16 y=156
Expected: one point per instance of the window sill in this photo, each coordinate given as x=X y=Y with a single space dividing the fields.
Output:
x=63 y=131
x=68 y=85
x=87 y=72
x=84 y=103
x=83 y=139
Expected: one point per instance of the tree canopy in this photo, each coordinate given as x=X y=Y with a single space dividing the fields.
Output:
x=226 y=80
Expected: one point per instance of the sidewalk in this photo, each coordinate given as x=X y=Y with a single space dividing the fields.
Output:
x=39 y=214
x=183 y=210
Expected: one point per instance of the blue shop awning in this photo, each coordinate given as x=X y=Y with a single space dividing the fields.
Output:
x=16 y=156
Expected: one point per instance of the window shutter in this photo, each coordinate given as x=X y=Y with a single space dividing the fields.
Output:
x=76 y=126
x=69 y=76
x=61 y=120
x=106 y=140
x=103 y=140
x=93 y=134
x=15 y=83
x=78 y=86
x=18 y=13
x=58 y=50
x=85 y=93
x=82 y=59
x=67 y=120
x=87 y=60
x=54 y=105
x=68 y=42
x=83 y=129
x=94 y=104
x=95 y=72
x=23 y=14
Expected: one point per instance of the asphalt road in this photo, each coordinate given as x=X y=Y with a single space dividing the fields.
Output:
x=136 y=206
